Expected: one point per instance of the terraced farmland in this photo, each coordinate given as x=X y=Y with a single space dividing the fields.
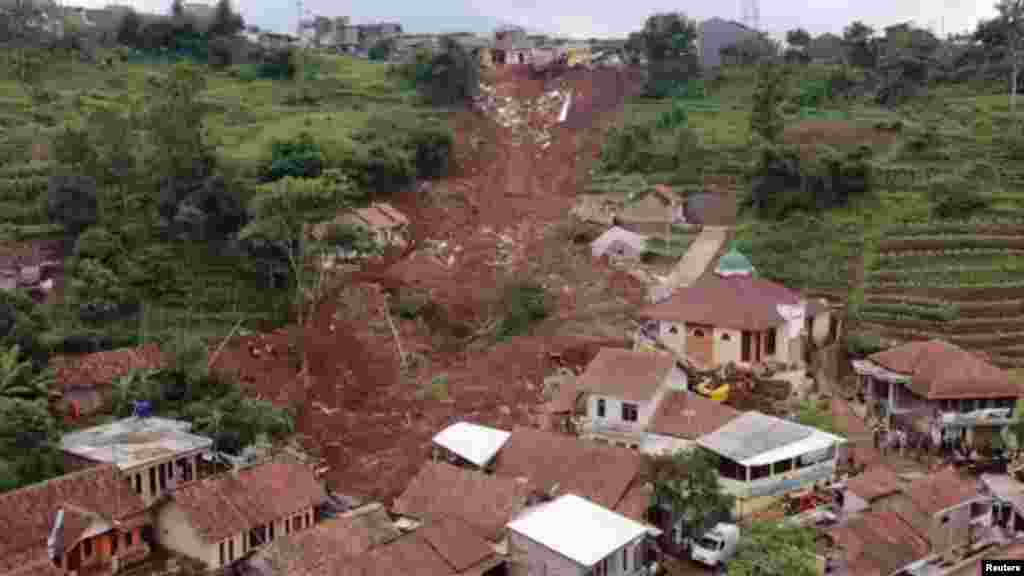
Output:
x=963 y=282
x=23 y=201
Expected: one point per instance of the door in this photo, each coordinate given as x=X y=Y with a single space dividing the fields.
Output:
x=700 y=343
x=745 y=346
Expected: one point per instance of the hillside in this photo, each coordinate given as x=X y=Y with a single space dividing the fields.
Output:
x=907 y=271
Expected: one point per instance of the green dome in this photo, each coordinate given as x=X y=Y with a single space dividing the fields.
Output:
x=732 y=263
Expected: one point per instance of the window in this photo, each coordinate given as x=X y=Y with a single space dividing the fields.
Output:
x=163 y=476
x=782 y=466
x=758 y=472
x=697 y=332
x=745 y=346
x=731 y=470
x=87 y=547
x=673 y=330
x=726 y=337
x=638 y=559
x=287 y=525
x=945 y=520
x=221 y=553
x=231 y=550
x=138 y=483
x=271 y=532
x=625 y=559
x=600 y=407
x=769 y=342
x=629 y=412
x=128 y=539
x=152 y=481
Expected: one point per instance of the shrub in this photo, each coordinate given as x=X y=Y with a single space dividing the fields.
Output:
x=433 y=146
x=955 y=198
x=299 y=157
x=861 y=344
x=72 y=202
x=98 y=243
x=97 y=292
x=382 y=166
x=22 y=323
x=783 y=183
x=525 y=304
x=672 y=118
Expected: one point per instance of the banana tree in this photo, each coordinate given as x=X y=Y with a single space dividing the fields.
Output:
x=18 y=378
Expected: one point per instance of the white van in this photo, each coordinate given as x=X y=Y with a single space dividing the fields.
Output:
x=716 y=546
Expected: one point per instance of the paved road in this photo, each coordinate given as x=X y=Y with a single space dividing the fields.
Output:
x=698 y=257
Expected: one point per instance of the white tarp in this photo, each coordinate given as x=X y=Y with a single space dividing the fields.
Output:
x=794 y=316
x=565 y=107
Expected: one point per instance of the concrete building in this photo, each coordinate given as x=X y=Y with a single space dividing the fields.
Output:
x=573 y=536
x=939 y=389
x=624 y=389
x=735 y=316
x=154 y=455
x=717 y=33
x=220 y=520
x=762 y=457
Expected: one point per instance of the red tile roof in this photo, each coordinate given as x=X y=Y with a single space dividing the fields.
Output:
x=42 y=566
x=381 y=216
x=317 y=550
x=636 y=502
x=626 y=374
x=27 y=514
x=218 y=507
x=411 y=555
x=942 y=490
x=879 y=543
x=941 y=370
x=876 y=482
x=687 y=415
x=100 y=368
x=483 y=501
x=456 y=542
x=597 y=472
x=737 y=302
x=567 y=398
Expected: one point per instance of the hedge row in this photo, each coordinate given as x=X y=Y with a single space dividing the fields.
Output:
x=1007 y=291
x=950 y=275
x=988 y=227
x=941 y=313
x=929 y=258
x=959 y=326
x=977 y=340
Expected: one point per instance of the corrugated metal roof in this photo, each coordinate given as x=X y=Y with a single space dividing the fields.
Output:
x=133 y=441
x=578 y=529
x=754 y=434
x=474 y=442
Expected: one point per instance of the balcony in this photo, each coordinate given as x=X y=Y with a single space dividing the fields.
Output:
x=984 y=417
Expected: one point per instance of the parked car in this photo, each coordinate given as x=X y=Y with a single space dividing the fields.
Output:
x=717 y=546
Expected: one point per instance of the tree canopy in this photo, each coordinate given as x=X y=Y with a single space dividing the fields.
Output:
x=769 y=548
x=686 y=483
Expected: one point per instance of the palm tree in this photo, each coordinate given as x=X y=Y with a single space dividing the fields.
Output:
x=18 y=378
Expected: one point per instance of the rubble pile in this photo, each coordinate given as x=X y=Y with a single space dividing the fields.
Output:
x=749 y=390
x=530 y=119
x=443 y=251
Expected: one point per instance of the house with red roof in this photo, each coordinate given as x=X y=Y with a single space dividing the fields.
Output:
x=733 y=315
x=938 y=388
x=222 y=519
x=97 y=518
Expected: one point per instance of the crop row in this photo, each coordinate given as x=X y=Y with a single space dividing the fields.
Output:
x=947 y=242
x=950 y=275
x=928 y=258
x=1009 y=291
x=22 y=189
x=25 y=170
x=987 y=226
x=940 y=313
x=958 y=326
x=978 y=341
x=22 y=213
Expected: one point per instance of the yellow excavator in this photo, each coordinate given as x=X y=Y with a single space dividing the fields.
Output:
x=716 y=392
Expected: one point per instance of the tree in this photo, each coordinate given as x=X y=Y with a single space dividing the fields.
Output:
x=799 y=38
x=181 y=153
x=686 y=486
x=72 y=201
x=28 y=435
x=766 y=117
x=669 y=42
x=769 y=548
x=226 y=22
x=23 y=323
x=1011 y=24
x=129 y=28
x=19 y=379
x=810 y=414
x=858 y=40
x=454 y=75
x=381 y=50
x=281 y=214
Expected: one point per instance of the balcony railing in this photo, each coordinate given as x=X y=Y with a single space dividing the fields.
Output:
x=988 y=416
x=604 y=425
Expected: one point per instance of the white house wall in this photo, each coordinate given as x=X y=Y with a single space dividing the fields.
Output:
x=175 y=533
x=542 y=560
x=675 y=341
x=727 y=350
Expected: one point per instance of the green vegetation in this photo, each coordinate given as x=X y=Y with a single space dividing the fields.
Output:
x=686 y=488
x=770 y=548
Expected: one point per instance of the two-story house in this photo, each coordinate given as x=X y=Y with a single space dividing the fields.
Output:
x=97 y=521
x=763 y=457
x=153 y=455
x=954 y=393
x=573 y=536
x=222 y=519
x=624 y=388
x=735 y=316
